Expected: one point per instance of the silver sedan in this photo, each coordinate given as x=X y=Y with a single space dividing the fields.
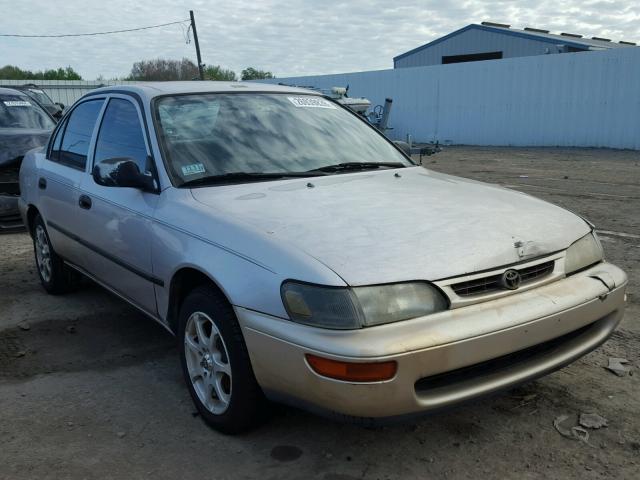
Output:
x=300 y=256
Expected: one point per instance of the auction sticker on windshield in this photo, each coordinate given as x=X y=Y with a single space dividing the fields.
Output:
x=311 y=102
x=17 y=103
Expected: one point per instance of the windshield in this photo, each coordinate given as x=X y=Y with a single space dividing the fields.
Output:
x=207 y=135
x=19 y=111
x=40 y=96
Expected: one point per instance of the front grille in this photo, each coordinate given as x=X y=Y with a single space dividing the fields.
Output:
x=491 y=283
x=10 y=174
x=10 y=189
x=10 y=222
x=9 y=180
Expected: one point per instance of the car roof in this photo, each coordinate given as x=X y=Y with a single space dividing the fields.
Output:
x=150 y=90
x=12 y=91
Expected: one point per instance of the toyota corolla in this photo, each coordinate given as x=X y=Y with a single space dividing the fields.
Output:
x=300 y=256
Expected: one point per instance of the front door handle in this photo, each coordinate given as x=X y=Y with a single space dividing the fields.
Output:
x=84 y=202
x=42 y=183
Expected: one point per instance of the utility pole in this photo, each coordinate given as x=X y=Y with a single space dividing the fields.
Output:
x=195 y=40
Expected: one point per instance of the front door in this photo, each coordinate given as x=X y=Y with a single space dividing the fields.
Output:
x=118 y=220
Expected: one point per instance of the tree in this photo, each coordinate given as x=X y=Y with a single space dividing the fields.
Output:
x=67 y=73
x=216 y=72
x=162 y=69
x=11 y=72
x=251 y=73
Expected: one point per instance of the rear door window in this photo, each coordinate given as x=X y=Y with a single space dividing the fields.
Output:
x=74 y=147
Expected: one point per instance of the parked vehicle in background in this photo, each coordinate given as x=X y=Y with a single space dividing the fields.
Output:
x=24 y=125
x=55 y=109
x=300 y=256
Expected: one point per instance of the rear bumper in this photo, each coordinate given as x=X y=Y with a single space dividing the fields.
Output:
x=443 y=359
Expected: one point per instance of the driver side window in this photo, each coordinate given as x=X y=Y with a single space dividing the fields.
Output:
x=121 y=135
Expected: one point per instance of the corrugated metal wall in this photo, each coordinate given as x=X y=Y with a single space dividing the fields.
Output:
x=64 y=91
x=589 y=99
x=477 y=41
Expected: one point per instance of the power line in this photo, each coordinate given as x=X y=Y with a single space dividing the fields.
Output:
x=94 y=33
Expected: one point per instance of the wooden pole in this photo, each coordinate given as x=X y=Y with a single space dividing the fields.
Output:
x=195 y=40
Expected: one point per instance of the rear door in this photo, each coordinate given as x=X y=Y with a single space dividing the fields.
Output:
x=117 y=221
x=59 y=179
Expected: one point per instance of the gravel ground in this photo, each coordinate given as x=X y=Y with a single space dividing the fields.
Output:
x=89 y=388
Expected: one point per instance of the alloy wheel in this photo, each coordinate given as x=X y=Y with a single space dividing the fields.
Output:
x=43 y=253
x=208 y=362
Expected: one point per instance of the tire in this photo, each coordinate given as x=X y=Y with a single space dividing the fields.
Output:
x=216 y=364
x=55 y=276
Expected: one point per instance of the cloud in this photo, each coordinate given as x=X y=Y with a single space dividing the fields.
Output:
x=286 y=37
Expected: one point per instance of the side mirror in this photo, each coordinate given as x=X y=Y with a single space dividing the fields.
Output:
x=122 y=172
x=61 y=105
x=404 y=146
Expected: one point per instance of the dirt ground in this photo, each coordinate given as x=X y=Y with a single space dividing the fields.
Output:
x=93 y=389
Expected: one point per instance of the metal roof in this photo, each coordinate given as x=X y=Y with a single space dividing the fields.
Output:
x=571 y=40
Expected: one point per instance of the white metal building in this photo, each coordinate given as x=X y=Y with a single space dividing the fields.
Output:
x=492 y=41
x=586 y=99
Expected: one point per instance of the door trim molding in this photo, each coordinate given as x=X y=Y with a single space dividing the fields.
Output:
x=147 y=276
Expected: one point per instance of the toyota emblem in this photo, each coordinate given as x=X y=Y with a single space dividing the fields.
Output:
x=510 y=279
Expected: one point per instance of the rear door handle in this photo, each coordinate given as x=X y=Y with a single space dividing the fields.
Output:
x=84 y=202
x=42 y=183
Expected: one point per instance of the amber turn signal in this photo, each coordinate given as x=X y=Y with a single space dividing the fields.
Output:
x=352 y=372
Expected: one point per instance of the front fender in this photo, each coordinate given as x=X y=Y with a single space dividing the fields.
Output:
x=247 y=265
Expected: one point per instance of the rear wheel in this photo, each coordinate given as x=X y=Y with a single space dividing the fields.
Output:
x=55 y=276
x=216 y=364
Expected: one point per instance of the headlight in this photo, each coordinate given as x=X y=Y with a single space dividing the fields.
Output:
x=350 y=308
x=583 y=253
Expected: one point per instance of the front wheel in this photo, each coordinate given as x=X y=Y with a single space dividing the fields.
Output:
x=216 y=364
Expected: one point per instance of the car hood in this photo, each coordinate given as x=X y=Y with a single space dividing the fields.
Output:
x=15 y=142
x=399 y=225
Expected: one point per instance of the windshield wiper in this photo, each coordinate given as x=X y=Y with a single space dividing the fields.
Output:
x=352 y=166
x=246 y=177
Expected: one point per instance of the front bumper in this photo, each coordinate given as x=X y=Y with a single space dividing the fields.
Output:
x=445 y=358
x=10 y=219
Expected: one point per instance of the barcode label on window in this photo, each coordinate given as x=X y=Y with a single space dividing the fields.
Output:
x=311 y=102
x=16 y=103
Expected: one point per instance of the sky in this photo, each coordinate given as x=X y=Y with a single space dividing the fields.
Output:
x=296 y=37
